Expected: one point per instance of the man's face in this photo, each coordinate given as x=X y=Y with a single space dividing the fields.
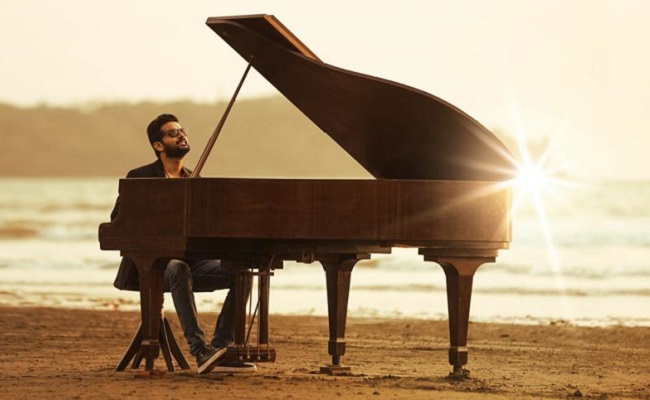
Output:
x=174 y=140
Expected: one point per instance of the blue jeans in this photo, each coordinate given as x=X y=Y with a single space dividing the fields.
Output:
x=182 y=279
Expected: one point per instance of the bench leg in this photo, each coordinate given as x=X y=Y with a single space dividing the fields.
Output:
x=168 y=346
x=131 y=352
x=173 y=346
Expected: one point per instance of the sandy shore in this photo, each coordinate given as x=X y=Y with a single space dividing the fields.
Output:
x=60 y=353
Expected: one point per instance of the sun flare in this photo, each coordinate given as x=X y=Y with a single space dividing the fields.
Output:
x=531 y=178
x=536 y=182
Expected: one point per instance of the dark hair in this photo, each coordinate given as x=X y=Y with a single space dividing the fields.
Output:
x=153 y=130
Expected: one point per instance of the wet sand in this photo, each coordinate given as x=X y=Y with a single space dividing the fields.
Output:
x=62 y=353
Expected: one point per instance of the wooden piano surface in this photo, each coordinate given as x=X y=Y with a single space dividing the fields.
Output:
x=459 y=224
x=440 y=187
x=394 y=212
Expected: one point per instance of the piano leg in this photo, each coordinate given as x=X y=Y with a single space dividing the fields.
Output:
x=151 y=301
x=338 y=270
x=460 y=275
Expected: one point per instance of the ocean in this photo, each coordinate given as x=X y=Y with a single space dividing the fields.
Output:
x=585 y=262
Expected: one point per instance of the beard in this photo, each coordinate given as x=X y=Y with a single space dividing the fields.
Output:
x=174 y=151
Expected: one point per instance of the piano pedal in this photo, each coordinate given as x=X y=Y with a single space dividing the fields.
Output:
x=248 y=353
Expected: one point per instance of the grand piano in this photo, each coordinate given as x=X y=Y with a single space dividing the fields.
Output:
x=441 y=186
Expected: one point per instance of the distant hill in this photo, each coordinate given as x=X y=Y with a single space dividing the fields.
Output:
x=266 y=137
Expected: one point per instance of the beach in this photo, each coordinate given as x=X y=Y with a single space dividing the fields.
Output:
x=71 y=354
x=561 y=314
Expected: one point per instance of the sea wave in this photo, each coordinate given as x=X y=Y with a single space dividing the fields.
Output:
x=13 y=231
x=497 y=290
x=37 y=206
x=104 y=282
x=50 y=230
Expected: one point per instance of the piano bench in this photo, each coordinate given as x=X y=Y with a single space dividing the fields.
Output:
x=168 y=346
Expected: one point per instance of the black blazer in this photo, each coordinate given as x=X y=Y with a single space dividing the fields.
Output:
x=127 y=274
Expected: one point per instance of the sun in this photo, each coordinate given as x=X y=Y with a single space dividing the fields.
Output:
x=532 y=178
x=536 y=180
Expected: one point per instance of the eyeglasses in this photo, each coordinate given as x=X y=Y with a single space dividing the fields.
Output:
x=172 y=133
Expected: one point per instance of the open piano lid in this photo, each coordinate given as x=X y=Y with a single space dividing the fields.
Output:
x=394 y=131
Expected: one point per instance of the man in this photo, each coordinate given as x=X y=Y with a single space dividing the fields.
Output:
x=183 y=277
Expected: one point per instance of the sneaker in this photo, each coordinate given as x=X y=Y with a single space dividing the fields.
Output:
x=208 y=357
x=234 y=367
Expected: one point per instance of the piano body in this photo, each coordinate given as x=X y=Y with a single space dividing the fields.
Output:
x=441 y=187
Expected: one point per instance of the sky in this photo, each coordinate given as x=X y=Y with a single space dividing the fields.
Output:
x=573 y=72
